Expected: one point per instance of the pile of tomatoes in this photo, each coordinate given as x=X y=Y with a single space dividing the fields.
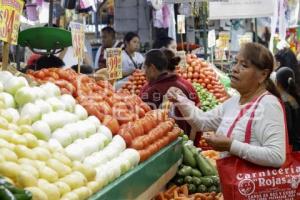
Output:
x=113 y=109
x=150 y=133
x=135 y=82
x=198 y=71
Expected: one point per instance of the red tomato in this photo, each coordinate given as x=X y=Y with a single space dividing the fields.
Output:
x=190 y=75
x=191 y=69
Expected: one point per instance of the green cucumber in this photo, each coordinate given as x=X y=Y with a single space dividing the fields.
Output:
x=201 y=189
x=212 y=189
x=196 y=172
x=192 y=188
x=204 y=166
x=188 y=158
x=188 y=179
x=196 y=181
x=207 y=181
x=216 y=180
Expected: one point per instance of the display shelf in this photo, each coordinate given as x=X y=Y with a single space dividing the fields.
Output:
x=135 y=183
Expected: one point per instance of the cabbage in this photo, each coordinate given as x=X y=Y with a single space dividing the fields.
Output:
x=80 y=112
x=7 y=100
x=56 y=104
x=68 y=101
x=41 y=130
x=31 y=111
x=25 y=95
x=50 y=89
x=15 y=83
x=43 y=106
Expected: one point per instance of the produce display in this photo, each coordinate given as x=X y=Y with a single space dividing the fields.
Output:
x=198 y=71
x=9 y=192
x=151 y=133
x=51 y=147
x=112 y=108
x=136 y=81
x=208 y=100
x=182 y=193
x=197 y=172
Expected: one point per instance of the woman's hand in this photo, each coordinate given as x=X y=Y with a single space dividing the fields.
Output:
x=218 y=142
x=173 y=94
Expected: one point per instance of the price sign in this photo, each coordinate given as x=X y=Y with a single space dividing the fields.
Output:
x=114 y=63
x=182 y=56
x=77 y=31
x=181 y=24
x=10 y=11
x=211 y=38
x=224 y=38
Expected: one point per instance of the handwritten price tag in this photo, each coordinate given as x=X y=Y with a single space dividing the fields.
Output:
x=114 y=63
x=77 y=31
x=10 y=20
x=182 y=56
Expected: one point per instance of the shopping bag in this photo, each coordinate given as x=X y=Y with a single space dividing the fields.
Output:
x=242 y=180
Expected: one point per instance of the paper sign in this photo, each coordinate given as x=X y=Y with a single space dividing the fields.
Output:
x=246 y=38
x=182 y=56
x=240 y=9
x=10 y=11
x=211 y=38
x=77 y=31
x=114 y=63
x=224 y=38
x=181 y=24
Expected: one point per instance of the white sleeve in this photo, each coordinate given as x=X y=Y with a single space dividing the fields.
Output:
x=199 y=120
x=269 y=129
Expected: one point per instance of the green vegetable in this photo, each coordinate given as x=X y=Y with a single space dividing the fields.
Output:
x=212 y=189
x=216 y=180
x=204 y=166
x=192 y=188
x=188 y=158
x=25 y=196
x=208 y=100
x=207 y=181
x=5 y=194
x=202 y=189
x=196 y=172
x=185 y=171
x=185 y=138
x=188 y=179
x=196 y=181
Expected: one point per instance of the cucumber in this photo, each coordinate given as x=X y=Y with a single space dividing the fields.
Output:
x=202 y=189
x=192 y=188
x=207 y=181
x=185 y=171
x=212 y=189
x=188 y=158
x=204 y=166
x=196 y=172
x=216 y=180
x=193 y=149
x=188 y=179
x=211 y=165
x=196 y=181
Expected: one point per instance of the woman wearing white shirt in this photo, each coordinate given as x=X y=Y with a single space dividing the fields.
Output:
x=250 y=77
x=131 y=58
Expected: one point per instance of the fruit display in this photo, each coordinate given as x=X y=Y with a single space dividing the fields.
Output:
x=182 y=193
x=151 y=133
x=51 y=147
x=197 y=172
x=208 y=100
x=113 y=109
x=10 y=192
x=135 y=82
x=198 y=71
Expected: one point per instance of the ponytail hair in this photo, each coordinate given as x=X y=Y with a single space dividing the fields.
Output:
x=271 y=87
x=173 y=60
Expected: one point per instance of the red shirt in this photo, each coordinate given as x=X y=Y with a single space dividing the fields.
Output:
x=154 y=92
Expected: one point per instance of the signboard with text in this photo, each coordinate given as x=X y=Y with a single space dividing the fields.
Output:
x=114 y=63
x=77 y=31
x=10 y=11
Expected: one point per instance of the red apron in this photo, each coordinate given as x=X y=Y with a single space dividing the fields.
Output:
x=242 y=180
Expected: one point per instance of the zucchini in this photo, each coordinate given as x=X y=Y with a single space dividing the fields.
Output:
x=204 y=166
x=188 y=179
x=207 y=181
x=185 y=171
x=188 y=158
x=202 y=189
x=196 y=172
x=211 y=165
x=196 y=181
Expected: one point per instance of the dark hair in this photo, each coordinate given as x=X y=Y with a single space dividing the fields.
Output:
x=157 y=58
x=129 y=36
x=262 y=59
x=48 y=62
x=286 y=78
x=84 y=69
x=173 y=60
x=287 y=58
x=109 y=30
x=162 y=42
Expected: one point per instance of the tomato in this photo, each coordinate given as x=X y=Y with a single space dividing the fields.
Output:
x=196 y=75
x=190 y=75
x=184 y=75
x=202 y=76
x=209 y=86
x=111 y=123
x=190 y=69
x=206 y=81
